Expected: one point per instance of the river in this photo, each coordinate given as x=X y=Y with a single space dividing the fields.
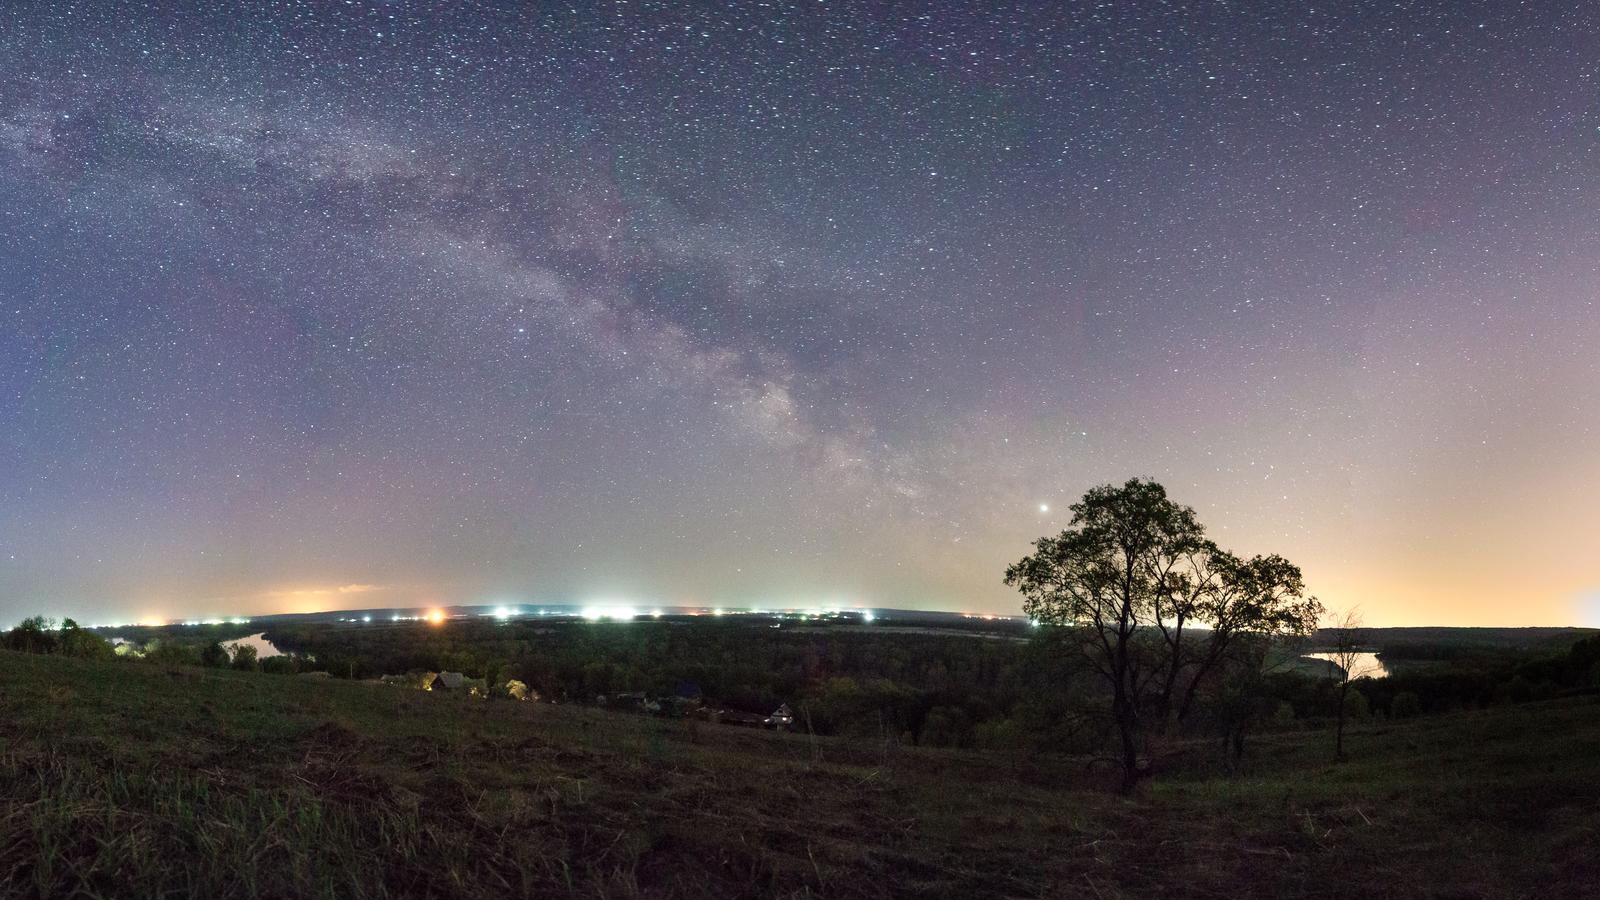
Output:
x=264 y=649
x=1366 y=665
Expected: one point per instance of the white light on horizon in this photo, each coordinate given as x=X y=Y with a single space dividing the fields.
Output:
x=616 y=613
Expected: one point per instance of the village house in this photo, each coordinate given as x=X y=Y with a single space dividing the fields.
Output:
x=781 y=718
x=447 y=681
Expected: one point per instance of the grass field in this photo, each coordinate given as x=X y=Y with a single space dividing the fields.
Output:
x=131 y=779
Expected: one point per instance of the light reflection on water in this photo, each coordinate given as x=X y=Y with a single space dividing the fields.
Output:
x=258 y=641
x=1366 y=665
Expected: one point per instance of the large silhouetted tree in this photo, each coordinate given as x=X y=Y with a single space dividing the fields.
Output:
x=1129 y=575
x=1246 y=605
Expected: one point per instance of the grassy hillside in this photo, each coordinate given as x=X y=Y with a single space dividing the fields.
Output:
x=131 y=779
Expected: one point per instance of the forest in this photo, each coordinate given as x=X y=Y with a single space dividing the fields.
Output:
x=987 y=684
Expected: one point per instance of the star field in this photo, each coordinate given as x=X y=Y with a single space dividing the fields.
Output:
x=773 y=303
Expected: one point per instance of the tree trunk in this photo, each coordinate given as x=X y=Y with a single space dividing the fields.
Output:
x=1338 y=739
x=1126 y=716
x=1130 y=751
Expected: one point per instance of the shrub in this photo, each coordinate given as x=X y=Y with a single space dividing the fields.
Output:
x=1583 y=660
x=999 y=734
x=244 y=658
x=945 y=727
x=174 y=653
x=83 y=643
x=1356 y=707
x=33 y=635
x=282 y=664
x=511 y=690
x=213 y=656
x=1519 y=690
x=1405 y=705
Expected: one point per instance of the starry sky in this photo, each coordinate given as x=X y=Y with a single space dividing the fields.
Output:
x=359 y=304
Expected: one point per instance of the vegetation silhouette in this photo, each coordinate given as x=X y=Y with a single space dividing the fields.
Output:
x=1349 y=637
x=1129 y=578
x=132 y=777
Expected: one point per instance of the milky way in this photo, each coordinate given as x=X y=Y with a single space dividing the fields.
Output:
x=334 y=305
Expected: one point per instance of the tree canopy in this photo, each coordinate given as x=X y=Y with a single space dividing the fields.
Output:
x=40 y=635
x=1132 y=576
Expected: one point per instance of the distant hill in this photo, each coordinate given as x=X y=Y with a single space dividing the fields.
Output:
x=1444 y=636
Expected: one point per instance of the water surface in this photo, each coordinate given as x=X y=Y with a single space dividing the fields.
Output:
x=264 y=649
x=1367 y=665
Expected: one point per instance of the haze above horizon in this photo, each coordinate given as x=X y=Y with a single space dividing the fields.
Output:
x=399 y=304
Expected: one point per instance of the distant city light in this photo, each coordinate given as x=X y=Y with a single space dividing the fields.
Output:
x=615 y=613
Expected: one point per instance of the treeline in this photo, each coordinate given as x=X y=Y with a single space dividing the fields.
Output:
x=191 y=645
x=936 y=689
x=40 y=635
x=944 y=689
x=984 y=690
x=1475 y=677
x=1456 y=678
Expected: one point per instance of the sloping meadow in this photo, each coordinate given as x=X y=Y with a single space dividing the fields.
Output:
x=120 y=778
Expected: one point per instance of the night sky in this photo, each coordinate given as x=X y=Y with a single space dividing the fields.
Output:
x=342 y=305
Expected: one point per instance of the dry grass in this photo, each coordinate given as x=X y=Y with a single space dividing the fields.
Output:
x=121 y=779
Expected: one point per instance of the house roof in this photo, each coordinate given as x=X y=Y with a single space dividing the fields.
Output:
x=450 y=680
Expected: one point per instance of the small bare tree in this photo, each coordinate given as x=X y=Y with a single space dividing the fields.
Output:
x=1349 y=635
